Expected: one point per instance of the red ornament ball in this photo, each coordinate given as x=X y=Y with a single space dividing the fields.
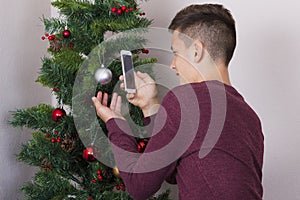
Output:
x=51 y=37
x=123 y=8
x=53 y=140
x=145 y=51
x=55 y=89
x=142 y=145
x=66 y=33
x=90 y=154
x=113 y=9
x=119 y=11
x=58 y=113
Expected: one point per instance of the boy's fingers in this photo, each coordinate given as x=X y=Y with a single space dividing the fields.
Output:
x=130 y=96
x=119 y=104
x=96 y=102
x=105 y=99
x=122 y=86
x=99 y=96
x=113 y=101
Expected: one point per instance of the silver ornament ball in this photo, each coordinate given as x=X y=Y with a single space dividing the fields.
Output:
x=103 y=75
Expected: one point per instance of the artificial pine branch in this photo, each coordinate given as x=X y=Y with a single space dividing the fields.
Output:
x=53 y=25
x=68 y=7
x=38 y=117
x=68 y=60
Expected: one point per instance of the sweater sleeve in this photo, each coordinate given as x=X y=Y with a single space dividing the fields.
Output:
x=143 y=174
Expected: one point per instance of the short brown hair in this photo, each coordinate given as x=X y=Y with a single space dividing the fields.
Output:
x=212 y=24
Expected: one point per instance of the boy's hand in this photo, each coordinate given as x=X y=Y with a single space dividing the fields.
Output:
x=146 y=93
x=105 y=112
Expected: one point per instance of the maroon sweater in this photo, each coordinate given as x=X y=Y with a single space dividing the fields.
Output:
x=205 y=138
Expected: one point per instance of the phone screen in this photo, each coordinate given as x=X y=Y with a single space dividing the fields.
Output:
x=129 y=75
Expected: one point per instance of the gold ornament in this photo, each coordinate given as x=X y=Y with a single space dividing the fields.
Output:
x=116 y=172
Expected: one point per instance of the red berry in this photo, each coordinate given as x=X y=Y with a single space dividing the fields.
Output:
x=100 y=178
x=47 y=135
x=43 y=38
x=58 y=140
x=51 y=37
x=130 y=9
x=113 y=9
x=90 y=198
x=123 y=8
x=47 y=35
x=53 y=140
x=126 y=10
x=122 y=184
x=55 y=133
x=118 y=187
x=56 y=89
x=123 y=189
x=94 y=180
x=99 y=172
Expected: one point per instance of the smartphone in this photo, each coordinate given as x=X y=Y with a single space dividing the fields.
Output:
x=128 y=71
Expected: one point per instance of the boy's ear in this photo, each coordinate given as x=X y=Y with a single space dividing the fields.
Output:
x=198 y=51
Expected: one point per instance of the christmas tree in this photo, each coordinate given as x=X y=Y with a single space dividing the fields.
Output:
x=67 y=149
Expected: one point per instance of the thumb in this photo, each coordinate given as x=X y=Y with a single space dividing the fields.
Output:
x=144 y=76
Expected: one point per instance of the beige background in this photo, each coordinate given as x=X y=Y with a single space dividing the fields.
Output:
x=20 y=51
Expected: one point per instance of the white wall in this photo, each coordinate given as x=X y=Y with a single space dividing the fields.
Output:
x=20 y=51
x=266 y=70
